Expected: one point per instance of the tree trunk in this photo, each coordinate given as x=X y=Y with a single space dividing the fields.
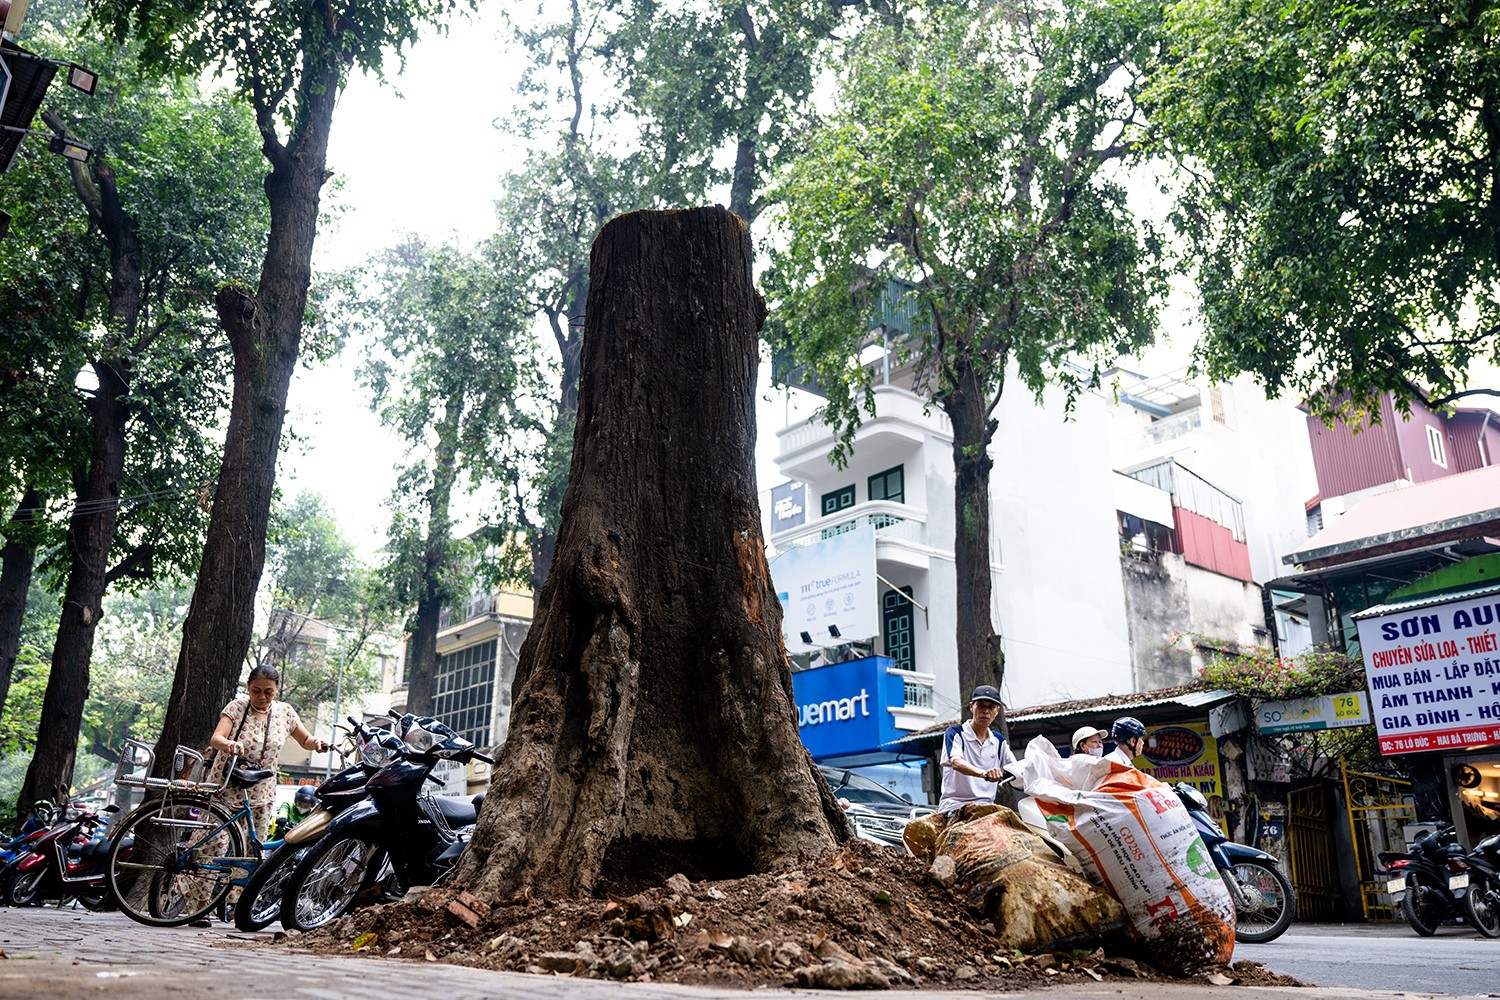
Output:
x=90 y=531
x=265 y=333
x=17 y=556
x=422 y=670
x=654 y=728
x=980 y=658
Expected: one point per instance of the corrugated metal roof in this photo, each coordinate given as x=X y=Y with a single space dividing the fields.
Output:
x=1428 y=601
x=1195 y=698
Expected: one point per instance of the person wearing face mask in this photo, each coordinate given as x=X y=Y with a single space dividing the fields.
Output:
x=1090 y=741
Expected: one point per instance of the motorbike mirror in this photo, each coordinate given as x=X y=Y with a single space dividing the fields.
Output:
x=111 y=808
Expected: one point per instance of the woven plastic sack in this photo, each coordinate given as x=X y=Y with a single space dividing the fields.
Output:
x=1017 y=879
x=1134 y=836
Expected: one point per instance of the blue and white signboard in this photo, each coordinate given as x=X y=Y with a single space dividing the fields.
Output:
x=788 y=506
x=828 y=585
x=842 y=709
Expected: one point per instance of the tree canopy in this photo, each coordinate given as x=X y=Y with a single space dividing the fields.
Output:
x=1341 y=194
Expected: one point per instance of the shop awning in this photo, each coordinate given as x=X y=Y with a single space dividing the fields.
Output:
x=1428 y=601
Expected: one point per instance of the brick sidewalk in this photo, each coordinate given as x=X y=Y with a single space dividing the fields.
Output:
x=53 y=954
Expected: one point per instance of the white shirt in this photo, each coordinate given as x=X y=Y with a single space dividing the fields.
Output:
x=960 y=743
x=1119 y=756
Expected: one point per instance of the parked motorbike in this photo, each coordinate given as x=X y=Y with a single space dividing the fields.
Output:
x=19 y=847
x=64 y=861
x=1481 y=899
x=260 y=898
x=399 y=836
x=1264 y=901
x=1428 y=880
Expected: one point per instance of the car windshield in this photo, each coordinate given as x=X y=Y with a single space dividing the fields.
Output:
x=858 y=788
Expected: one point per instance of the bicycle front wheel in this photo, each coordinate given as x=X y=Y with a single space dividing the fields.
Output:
x=165 y=860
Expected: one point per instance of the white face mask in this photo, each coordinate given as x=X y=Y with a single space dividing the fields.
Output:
x=1095 y=751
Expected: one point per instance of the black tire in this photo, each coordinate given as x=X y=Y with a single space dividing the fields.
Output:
x=1482 y=906
x=260 y=900
x=94 y=898
x=23 y=889
x=1417 y=908
x=326 y=882
x=1278 y=908
x=149 y=879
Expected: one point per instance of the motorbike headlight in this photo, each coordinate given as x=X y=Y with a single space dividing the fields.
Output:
x=419 y=739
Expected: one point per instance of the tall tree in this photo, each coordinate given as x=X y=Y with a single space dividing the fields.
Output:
x=289 y=61
x=164 y=169
x=1341 y=197
x=452 y=371
x=653 y=724
x=965 y=175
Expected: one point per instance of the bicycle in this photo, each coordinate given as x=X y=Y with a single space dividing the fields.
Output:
x=176 y=857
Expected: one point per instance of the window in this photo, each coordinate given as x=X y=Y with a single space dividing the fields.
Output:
x=838 y=500
x=463 y=692
x=896 y=621
x=889 y=485
x=1435 y=446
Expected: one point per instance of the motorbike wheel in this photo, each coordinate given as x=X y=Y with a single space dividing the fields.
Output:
x=1277 y=902
x=326 y=882
x=94 y=898
x=260 y=900
x=23 y=889
x=1419 y=911
x=1482 y=907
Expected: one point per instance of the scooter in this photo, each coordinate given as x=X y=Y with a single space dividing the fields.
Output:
x=1264 y=901
x=1481 y=898
x=54 y=869
x=260 y=898
x=417 y=836
x=1428 y=880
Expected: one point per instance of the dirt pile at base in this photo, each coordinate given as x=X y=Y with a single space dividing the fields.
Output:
x=859 y=916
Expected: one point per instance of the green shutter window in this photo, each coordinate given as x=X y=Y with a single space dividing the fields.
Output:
x=889 y=485
x=838 y=500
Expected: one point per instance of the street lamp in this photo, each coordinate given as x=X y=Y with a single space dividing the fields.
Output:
x=338 y=695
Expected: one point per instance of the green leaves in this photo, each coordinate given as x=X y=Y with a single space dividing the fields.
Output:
x=1341 y=212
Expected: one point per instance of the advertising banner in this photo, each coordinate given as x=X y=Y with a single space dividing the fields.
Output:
x=1183 y=752
x=1434 y=675
x=1330 y=711
x=826 y=586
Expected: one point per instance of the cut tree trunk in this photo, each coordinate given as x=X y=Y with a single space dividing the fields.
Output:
x=654 y=729
x=17 y=557
x=90 y=533
x=980 y=657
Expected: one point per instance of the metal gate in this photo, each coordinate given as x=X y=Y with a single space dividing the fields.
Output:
x=1310 y=853
x=1378 y=808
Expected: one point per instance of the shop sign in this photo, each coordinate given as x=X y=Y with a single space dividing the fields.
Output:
x=1331 y=711
x=788 y=506
x=1434 y=675
x=1183 y=753
x=843 y=708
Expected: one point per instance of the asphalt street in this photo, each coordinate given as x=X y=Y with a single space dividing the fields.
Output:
x=1386 y=956
x=52 y=954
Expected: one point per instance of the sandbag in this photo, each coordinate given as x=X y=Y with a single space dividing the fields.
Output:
x=1019 y=882
x=1134 y=836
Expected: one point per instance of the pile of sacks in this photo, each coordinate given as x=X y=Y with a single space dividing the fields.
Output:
x=1144 y=867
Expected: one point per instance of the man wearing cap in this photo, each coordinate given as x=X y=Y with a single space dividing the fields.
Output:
x=1090 y=741
x=973 y=757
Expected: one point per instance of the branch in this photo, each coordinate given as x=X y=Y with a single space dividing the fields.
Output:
x=137 y=564
x=88 y=191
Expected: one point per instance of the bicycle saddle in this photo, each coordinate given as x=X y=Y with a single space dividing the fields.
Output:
x=242 y=777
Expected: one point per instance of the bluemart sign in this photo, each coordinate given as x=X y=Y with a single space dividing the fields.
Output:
x=844 y=708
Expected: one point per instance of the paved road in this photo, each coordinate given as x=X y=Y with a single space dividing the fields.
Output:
x=1384 y=957
x=53 y=954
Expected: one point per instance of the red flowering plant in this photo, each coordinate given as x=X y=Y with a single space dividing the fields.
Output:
x=1257 y=672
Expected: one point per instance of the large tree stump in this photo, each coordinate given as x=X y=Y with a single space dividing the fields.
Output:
x=653 y=727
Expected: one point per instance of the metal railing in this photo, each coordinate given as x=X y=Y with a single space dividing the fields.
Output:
x=891 y=521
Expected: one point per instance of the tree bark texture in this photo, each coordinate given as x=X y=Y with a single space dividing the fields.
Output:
x=17 y=558
x=422 y=672
x=264 y=327
x=653 y=727
x=980 y=657
x=90 y=532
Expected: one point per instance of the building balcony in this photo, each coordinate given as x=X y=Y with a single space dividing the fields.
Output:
x=900 y=531
x=902 y=422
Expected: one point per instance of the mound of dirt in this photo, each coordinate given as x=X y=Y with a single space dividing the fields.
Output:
x=859 y=916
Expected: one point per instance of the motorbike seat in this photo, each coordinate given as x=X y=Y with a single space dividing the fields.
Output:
x=94 y=850
x=458 y=812
x=478 y=801
x=242 y=777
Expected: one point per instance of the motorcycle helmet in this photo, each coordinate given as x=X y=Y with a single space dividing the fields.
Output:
x=306 y=798
x=1127 y=728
